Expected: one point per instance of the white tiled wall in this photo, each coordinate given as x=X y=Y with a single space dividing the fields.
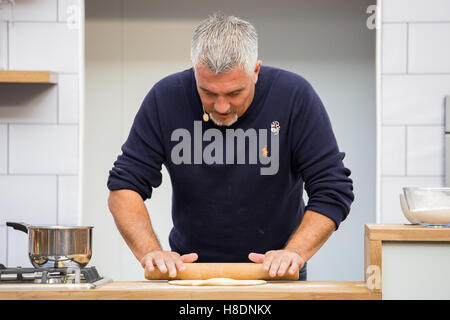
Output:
x=3 y=148
x=67 y=10
x=43 y=149
x=416 y=10
x=67 y=191
x=415 y=80
x=38 y=124
x=393 y=153
x=3 y=44
x=32 y=10
x=414 y=99
x=32 y=199
x=3 y=241
x=425 y=151
x=395 y=48
x=429 y=47
x=68 y=98
x=17 y=249
x=43 y=45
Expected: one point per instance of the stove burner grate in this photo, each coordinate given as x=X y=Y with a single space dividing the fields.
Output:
x=48 y=275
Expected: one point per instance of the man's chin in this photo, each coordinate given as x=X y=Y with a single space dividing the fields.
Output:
x=225 y=123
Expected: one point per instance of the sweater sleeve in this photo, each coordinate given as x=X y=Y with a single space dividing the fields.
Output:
x=317 y=159
x=138 y=168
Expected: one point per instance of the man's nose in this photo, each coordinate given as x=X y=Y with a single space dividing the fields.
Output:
x=221 y=105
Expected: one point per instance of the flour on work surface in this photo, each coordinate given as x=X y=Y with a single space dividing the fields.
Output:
x=217 y=282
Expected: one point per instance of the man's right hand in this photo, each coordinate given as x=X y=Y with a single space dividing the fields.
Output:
x=167 y=261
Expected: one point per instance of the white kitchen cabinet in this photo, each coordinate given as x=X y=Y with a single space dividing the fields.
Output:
x=408 y=261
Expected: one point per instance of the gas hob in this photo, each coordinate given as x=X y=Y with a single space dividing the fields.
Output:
x=50 y=278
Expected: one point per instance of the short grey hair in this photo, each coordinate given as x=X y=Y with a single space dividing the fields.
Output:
x=223 y=43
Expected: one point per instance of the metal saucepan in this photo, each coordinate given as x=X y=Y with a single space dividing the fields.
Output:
x=57 y=246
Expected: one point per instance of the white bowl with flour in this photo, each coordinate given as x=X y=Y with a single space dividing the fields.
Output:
x=427 y=206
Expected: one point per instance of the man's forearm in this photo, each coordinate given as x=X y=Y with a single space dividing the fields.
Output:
x=312 y=233
x=133 y=221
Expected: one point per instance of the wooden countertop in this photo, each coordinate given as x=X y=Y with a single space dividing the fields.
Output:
x=161 y=290
x=405 y=232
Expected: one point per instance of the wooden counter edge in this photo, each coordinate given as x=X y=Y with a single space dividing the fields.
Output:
x=399 y=232
x=348 y=290
x=372 y=263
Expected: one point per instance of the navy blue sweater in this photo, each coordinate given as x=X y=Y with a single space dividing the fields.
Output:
x=225 y=209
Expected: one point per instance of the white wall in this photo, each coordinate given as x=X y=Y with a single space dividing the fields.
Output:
x=38 y=123
x=415 y=80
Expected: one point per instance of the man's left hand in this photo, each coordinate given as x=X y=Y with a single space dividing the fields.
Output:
x=277 y=262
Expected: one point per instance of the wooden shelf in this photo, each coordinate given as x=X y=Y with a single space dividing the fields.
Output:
x=16 y=76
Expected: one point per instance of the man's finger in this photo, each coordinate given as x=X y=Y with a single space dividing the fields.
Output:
x=274 y=266
x=294 y=266
x=284 y=264
x=190 y=257
x=148 y=263
x=171 y=267
x=179 y=264
x=256 y=257
x=160 y=264
x=268 y=258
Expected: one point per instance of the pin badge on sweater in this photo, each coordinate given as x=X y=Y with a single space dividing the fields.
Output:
x=275 y=127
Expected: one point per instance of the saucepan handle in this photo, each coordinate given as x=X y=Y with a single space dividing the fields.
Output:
x=18 y=226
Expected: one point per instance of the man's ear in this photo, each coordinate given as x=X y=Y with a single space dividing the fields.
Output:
x=256 y=71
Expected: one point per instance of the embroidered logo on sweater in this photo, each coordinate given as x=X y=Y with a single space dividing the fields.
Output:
x=275 y=127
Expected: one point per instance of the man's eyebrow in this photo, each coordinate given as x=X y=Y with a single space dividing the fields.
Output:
x=237 y=90
x=205 y=89
x=234 y=91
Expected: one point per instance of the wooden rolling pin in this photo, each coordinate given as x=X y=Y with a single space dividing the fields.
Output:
x=203 y=271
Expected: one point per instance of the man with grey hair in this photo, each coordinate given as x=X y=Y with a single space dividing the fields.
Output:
x=227 y=206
